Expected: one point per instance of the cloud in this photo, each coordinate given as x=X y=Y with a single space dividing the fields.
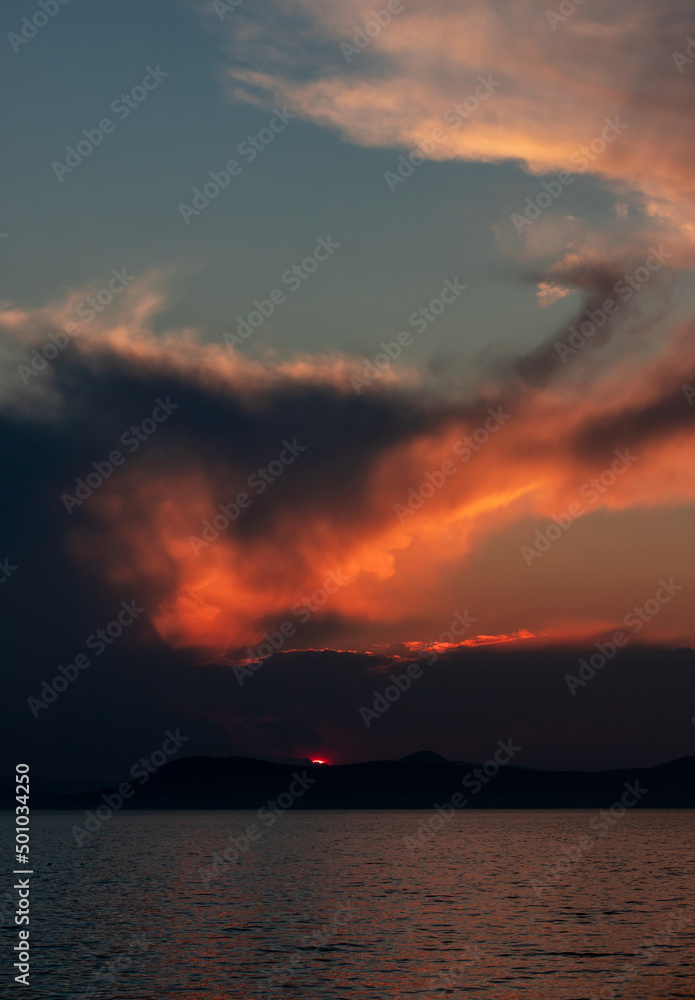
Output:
x=554 y=86
x=357 y=528
x=417 y=648
x=550 y=291
x=460 y=707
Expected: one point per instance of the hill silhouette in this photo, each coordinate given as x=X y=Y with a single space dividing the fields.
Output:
x=417 y=781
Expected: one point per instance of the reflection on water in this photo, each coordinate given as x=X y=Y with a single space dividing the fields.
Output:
x=333 y=905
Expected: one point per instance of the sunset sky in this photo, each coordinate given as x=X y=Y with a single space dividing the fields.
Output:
x=413 y=302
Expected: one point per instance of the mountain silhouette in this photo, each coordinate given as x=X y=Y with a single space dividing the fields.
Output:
x=418 y=781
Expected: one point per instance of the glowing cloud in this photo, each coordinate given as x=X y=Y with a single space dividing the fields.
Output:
x=396 y=485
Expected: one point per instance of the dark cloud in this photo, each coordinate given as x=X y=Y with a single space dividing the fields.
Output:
x=75 y=569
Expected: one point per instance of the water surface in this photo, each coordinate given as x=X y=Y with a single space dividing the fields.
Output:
x=335 y=905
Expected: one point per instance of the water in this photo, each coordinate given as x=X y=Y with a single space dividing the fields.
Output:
x=334 y=905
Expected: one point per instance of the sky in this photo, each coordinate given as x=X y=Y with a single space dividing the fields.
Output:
x=339 y=341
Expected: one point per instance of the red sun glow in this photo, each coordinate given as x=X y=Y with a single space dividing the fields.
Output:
x=317 y=761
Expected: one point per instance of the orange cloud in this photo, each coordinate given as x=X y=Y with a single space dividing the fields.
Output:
x=411 y=513
x=396 y=490
x=554 y=85
x=479 y=640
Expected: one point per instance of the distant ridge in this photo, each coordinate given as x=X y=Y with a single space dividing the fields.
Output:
x=416 y=781
x=423 y=757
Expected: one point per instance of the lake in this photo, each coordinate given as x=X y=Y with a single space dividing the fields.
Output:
x=495 y=904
